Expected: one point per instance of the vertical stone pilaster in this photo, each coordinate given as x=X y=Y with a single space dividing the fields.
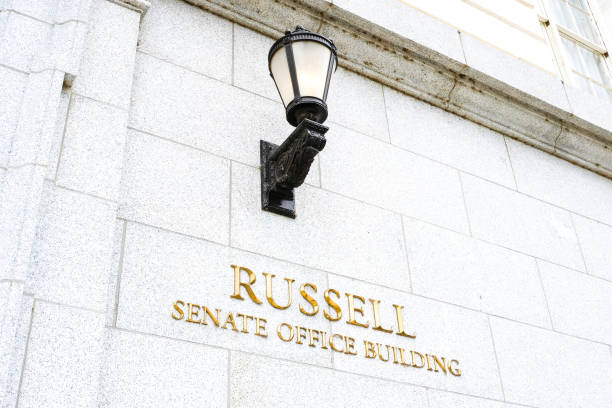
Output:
x=27 y=33
x=44 y=46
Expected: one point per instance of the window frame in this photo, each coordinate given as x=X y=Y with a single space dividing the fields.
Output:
x=555 y=30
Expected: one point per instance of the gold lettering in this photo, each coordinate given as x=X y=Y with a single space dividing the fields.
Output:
x=247 y=286
x=245 y=319
x=377 y=326
x=311 y=338
x=454 y=371
x=299 y=335
x=395 y=355
x=259 y=327
x=350 y=345
x=215 y=319
x=428 y=362
x=380 y=354
x=230 y=320
x=191 y=313
x=332 y=345
x=400 y=322
x=422 y=359
x=323 y=340
x=178 y=309
x=310 y=299
x=353 y=309
x=438 y=363
x=280 y=334
x=370 y=352
x=403 y=360
x=333 y=305
x=269 y=277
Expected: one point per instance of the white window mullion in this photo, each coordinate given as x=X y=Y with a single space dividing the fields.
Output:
x=584 y=41
x=554 y=40
x=580 y=60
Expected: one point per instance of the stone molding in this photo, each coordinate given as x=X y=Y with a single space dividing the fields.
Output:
x=137 y=5
x=562 y=129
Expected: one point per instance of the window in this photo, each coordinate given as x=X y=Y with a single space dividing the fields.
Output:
x=578 y=48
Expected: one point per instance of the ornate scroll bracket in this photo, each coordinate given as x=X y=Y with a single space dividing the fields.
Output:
x=285 y=167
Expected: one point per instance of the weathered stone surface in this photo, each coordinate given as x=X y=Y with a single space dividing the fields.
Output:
x=34 y=131
x=503 y=114
x=65 y=349
x=330 y=232
x=513 y=220
x=115 y=267
x=347 y=94
x=73 y=249
x=306 y=386
x=92 y=152
x=542 y=368
x=20 y=198
x=189 y=108
x=579 y=304
x=58 y=135
x=188 y=36
x=462 y=270
x=175 y=187
x=445 y=137
x=379 y=173
x=106 y=75
x=14 y=367
x=251 y=62
x=595 y=241
x=142 y=370
x=66 y=10
x=39 y=9
x=584 y=151
x=64 y=49
x=22 y=40
x=561 y=183
x=13 y=85
x=11 y=320
x=438 y=399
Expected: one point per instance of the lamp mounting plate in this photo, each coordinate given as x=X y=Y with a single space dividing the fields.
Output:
x=279 y=202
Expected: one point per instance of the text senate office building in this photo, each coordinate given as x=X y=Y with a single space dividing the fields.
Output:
x=306 y=203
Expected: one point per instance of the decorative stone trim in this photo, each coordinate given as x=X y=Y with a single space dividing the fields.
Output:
x=137 y=5
x=410 y=67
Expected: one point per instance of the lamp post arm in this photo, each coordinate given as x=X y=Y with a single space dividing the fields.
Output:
x=285 y=167
x=292 y=159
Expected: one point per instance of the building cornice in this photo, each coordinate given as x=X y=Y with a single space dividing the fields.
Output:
x=140 y=6
x=563 y=126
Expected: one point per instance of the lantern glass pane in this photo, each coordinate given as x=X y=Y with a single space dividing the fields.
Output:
x=311 y=62
x=280 y=72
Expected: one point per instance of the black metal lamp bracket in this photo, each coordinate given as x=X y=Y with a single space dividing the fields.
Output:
x=285 y=167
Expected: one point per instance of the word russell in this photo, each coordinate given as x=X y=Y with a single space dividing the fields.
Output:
x=356 y=311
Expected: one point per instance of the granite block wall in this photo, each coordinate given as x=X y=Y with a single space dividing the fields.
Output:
x=499 y=253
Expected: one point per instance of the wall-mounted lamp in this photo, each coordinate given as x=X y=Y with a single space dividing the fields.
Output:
x=301 y=64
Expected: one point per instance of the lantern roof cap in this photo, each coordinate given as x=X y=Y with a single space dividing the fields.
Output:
x=302 y=34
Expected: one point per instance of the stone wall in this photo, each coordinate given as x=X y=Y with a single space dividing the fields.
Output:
x=145 y=190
